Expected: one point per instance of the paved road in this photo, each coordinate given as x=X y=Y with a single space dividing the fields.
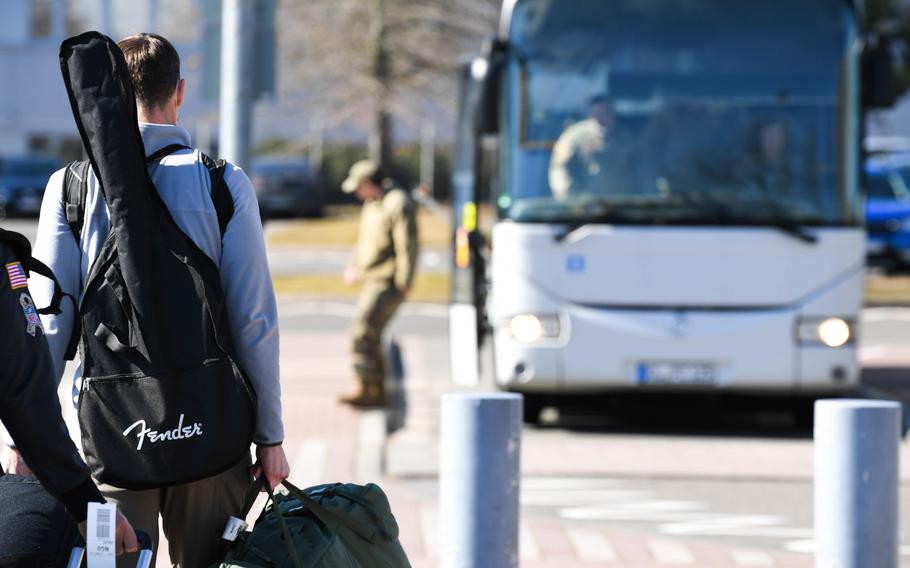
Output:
x=738 y=479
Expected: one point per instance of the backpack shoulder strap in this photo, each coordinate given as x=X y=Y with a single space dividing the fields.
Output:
x=39 y=267
x=22 y=248
x=166 y=151
x=23 y=252
x=221 y=194
x=75 y=185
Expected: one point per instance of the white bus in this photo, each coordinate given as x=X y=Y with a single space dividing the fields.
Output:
x=675 y=188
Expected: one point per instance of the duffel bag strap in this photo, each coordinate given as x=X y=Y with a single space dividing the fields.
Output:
x=286 y=533
x=328 y=517
x=331 y=518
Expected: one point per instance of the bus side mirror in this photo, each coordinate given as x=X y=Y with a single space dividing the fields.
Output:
x=488 y=71
x=880 y=63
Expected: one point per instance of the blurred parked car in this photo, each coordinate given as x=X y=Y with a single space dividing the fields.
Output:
x=888 y=208
x=22 y=182
x=287 y=188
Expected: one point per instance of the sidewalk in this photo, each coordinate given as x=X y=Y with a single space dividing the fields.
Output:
x=328 y=442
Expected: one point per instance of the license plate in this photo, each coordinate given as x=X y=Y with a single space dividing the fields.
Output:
x=677 y=374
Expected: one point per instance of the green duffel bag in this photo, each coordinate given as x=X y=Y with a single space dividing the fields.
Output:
x=340 y=525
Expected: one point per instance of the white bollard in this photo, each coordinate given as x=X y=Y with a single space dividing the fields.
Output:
x=480 y=446
x=856 y=483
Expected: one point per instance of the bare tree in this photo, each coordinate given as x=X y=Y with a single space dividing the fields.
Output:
x=374 y=61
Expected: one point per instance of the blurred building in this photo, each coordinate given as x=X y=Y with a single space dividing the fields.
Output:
x=34 y=112
x=35 y=115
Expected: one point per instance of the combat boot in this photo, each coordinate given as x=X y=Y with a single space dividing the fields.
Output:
x=366 y=396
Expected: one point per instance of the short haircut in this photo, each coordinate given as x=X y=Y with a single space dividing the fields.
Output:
x=154 y=68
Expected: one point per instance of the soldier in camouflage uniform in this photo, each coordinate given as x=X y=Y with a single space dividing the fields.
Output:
x=384 y=264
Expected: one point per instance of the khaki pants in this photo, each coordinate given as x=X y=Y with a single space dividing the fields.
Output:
x=376 y=306
x=193 y=515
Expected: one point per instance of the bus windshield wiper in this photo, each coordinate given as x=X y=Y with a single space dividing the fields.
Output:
x=788 y=226
x=796 y=231
x=574 y=225
x=724 y=209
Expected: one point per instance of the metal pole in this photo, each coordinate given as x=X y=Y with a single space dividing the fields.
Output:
x=236 y=81
x=480 y=443
x=428 y=153
x=856 y=483
x=317 y=145
x=106 y=17
x=58 y=20
x=152 y=13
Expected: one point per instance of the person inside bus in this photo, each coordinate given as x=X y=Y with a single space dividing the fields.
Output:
x=771 y=165
x=585 y=157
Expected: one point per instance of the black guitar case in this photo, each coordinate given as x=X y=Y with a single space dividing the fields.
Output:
x=163 y=400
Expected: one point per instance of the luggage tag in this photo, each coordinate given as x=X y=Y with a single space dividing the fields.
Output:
x=101 y=546
x=233 y=529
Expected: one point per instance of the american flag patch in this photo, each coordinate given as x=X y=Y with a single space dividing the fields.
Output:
x=17 y=278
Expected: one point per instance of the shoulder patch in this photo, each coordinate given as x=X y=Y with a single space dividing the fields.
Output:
x=32 y=320
x=17 y=277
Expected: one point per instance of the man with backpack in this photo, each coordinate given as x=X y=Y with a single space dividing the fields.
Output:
x=28 y=401
x=73 y=230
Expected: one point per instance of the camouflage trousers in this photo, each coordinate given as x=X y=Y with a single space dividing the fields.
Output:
x=376 y=306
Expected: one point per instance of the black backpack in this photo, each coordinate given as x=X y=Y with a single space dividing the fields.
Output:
x=22 y=249
x=163 y=401
x=75 y=188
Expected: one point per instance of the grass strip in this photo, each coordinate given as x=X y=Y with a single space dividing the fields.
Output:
x=339 y=229
x=429 y=287
x=893 y=290
x=434 y=287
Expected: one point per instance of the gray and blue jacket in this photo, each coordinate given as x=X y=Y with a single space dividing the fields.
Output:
x=185 y=187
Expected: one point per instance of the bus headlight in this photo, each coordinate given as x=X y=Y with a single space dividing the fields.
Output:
x=529 y=328
x=832 y=332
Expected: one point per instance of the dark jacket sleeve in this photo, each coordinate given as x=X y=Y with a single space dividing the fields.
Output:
x=29 y=406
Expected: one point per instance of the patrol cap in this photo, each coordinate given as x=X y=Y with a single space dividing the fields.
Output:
x=359 y=172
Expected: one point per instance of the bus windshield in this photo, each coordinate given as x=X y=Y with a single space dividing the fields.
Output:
x=676 y=111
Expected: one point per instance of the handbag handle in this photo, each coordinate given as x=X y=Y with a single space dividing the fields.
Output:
x=284 y=526
x=328 y=517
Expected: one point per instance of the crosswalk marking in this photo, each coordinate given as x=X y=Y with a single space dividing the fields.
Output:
x=751 y=558
x=371 y=444
x=527 y=545
x=429 y=529
x=569 y=498
x=669 y=552
x=591 y=545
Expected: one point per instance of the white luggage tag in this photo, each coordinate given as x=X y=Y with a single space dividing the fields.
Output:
x=101 y=544
x=233 y=529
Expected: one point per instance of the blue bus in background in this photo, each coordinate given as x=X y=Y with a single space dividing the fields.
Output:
x=675 y=197
x=888 y=209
